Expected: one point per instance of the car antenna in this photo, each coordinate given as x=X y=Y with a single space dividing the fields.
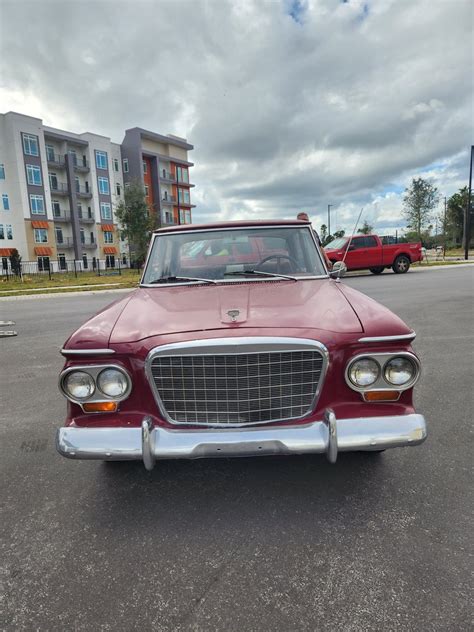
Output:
x=338 y=278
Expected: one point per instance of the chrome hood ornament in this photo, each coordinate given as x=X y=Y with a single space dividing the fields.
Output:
x=233 y=314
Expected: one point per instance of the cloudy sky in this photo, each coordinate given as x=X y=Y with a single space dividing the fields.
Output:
x=290 y=104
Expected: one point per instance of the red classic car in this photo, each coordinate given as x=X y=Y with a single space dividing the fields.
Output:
x=239 y=342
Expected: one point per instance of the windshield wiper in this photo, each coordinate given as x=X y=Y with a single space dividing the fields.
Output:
x=180 y=279
x=260 y=273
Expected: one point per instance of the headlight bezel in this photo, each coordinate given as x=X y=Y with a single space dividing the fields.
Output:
x=93 y=370
x=382 y=359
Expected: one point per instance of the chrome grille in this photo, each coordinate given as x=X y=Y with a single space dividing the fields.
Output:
x=237 y=388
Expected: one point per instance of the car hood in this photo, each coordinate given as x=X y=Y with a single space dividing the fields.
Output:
x=305 y=304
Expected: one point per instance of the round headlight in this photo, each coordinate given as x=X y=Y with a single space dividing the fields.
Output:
x=79 y=385
x=364 y=372
x=399 y=371
x=112 y=382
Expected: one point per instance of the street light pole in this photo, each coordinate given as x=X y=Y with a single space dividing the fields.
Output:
x=467 y=215
x=329 y=218
x=444 y=228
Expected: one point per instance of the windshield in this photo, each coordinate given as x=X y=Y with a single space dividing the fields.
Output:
x=228 y=255
x=335 y=243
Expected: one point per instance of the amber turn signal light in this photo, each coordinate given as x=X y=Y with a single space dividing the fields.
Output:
x=381 y=396
x=100 y=407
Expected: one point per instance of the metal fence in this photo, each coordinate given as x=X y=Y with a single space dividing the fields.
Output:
x=47 y=267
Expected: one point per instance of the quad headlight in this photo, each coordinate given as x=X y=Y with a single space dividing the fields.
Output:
x=95 y=383
x=112 y=382
x=79 y=385
x=364 y=372
x=399 y=371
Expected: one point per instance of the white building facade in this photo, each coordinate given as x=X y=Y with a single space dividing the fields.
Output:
x=59 y=191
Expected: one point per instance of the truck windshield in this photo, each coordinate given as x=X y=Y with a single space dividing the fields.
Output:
x=336 y=243
x=233 y=255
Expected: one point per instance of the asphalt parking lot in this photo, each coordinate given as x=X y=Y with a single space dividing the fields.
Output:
x=289 y=543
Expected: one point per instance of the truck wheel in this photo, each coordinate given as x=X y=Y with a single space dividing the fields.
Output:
x=378 y=270
x=401 y=264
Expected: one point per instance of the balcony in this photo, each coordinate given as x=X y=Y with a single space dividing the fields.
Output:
x=59 y=188
x=81 y=166
x=86 y=218
x=55 y=160
x=170 y=199
x=68 y=242
x=83 y=192
x=167 y=176
x=63 y=216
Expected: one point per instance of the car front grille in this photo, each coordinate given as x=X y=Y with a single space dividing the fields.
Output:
x=237 y=388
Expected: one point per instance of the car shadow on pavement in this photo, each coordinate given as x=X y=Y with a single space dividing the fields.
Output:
x=239 y=492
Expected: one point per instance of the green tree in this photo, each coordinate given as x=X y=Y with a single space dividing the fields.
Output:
x=365 y=229
x=15 y=261
x=419 y=202
x=456 y=206
x=134 y=216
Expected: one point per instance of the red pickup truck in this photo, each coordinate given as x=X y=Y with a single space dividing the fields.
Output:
x=368 y=251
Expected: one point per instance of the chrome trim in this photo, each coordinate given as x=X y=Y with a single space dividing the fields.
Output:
x=93 y=370
x=227 y=281
x=355 y=434
x=86 y=352
x=236 y=346
x=410 y=336
x=380 y=383
x=148 y=443
x=331 y=423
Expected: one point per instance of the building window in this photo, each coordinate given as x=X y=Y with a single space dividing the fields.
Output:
x=116 y=164
x=50 y=153
x=147 y=190
x=6 y=202
x=59 y=235
x=125 y=165
x=53 y=181
x=183 y=196
x=101 y=159
x=110 y=261
x=2 y=232
x=145 y=167
x=33 y=175
x=118 y=189
x=105 y=210
x=56 y=209
x=104 y=185
x=83 y=236
x=182 y=174
x=78 y=185
x=30 y=145
x=37 y=204
x=2 y=171
x=43 y=263
x=108 y=237
x=41 y=235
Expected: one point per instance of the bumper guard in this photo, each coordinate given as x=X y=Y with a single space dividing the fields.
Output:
x=329 y=436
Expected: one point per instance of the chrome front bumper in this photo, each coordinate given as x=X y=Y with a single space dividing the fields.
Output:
x=330 y=436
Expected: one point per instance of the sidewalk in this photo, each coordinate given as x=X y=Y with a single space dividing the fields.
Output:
x=59 y=287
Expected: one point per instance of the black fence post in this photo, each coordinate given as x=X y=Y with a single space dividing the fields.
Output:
x=120 y=269
x=49 y=270
x=98 y=267
x=75 y=269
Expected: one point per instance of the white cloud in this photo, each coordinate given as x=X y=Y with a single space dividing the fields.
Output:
x=342 y=103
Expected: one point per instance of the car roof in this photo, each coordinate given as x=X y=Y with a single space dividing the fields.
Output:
x=241 y=223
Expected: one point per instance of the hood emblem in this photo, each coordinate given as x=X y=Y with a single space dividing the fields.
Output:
x=233 y=313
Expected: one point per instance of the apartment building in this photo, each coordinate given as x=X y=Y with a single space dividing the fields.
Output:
x=60 y=189
x=161 y=164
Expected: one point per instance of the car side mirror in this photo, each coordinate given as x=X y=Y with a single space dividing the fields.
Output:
x=339 y=269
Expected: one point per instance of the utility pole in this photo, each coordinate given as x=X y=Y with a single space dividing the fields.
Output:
x=445 y=226
x=329 y=218
x=467 y=215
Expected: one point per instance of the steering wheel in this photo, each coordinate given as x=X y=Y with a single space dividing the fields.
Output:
x=278 y=258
